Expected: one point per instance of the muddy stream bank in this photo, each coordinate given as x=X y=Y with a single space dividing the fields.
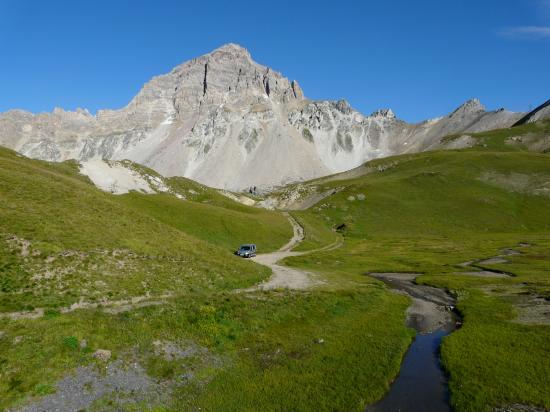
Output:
x=421 y=384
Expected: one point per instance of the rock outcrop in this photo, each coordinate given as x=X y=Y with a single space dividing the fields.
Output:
x=539 y=113
x=228 y=122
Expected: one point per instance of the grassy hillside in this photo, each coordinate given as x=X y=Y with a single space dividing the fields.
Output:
x=82 y=270
x=53 y=218
x=207 y=214
x=428 y=213
x=442 y=193
x=533 y=137
x=220 y=225
x=154 y=282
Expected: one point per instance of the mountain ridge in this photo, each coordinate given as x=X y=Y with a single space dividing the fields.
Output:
x=228 y=122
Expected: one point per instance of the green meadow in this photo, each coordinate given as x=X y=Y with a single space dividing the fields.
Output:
x=337 y=346
x=428 y=213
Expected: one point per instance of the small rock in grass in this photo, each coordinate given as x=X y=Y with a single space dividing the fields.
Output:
x=351 y=198
x=17 y=340
x=319 y=340
x=83 y=344
x=102 y=354
x=361 y=196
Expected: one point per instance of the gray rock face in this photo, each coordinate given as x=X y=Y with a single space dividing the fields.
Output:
x=539 y=113
x=231 y=123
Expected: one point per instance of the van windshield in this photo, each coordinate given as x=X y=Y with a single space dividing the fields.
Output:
x=245 y=247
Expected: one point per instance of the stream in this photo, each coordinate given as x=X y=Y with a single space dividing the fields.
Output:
x=421 y=384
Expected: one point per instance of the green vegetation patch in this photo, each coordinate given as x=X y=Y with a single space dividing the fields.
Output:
x=430 y=213
x=335 y=347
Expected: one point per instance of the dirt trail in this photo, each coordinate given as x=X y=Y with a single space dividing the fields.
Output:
x=108 y=306
x=284 y=276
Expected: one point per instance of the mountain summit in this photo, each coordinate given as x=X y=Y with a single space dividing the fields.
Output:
x=228 y=122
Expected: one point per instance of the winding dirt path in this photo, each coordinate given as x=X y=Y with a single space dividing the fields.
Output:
x=285 y=277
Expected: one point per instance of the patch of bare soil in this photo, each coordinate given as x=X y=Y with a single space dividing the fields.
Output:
x=313 y=199
x=533 y=141
x=87 y=384
x=298 y=197
x=534 y=184
x=534 y=312
x=460 y=142
x=108 y=306
x=531 y=308
x=23 y=245
x=124 y=382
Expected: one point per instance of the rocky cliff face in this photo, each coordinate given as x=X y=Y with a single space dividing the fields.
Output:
x=231 y=123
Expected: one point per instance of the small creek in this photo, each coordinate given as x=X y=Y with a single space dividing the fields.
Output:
x=421 y=384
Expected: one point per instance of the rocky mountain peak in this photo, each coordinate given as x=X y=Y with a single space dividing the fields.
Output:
x=227 y=75
x=228 y=122
x=384 y=113
x=469 y=107
x=231 y=49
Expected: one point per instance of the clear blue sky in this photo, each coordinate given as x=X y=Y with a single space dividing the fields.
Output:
x=420 y=58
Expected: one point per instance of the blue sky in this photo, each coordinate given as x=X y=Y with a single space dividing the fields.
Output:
x=420 y=58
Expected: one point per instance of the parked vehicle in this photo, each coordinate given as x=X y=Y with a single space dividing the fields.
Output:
x=247 y=251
